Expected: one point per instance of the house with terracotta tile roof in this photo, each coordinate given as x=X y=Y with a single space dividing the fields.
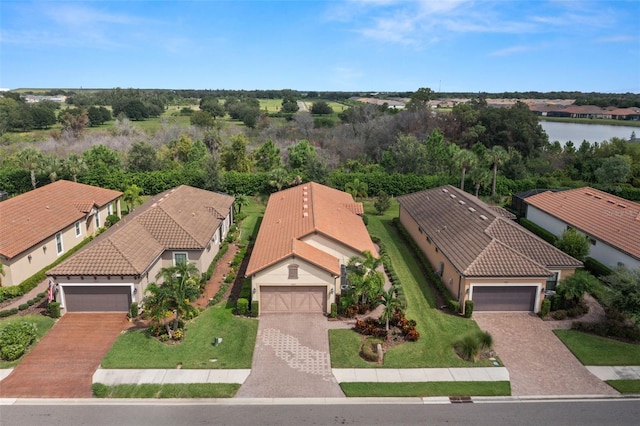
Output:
x=40 y=225
x=480 y=253
x=611 y=223
x=183 y=224
x=308 y=234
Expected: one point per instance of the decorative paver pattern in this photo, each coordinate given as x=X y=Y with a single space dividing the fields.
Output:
x=291 y=359
x=538 y=362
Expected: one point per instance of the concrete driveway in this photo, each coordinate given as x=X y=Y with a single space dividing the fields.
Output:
x=62 y=364
x=291 y=359
x=538 y=362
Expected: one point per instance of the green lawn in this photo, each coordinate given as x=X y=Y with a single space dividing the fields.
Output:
x=249 y=226
x=43 y=325
x=437 y=329
x=135 y=349
x=363 y=389
x=625 y=386
x=193 y=390
x=596 y=350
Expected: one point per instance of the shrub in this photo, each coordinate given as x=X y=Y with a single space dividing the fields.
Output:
x=559 y=314
x=538 y=230
x=368 y=350
x=596 y=268
x=54 y=309
x=334 y=310
x=254 y=308
x=99 y=390
x=467 y=348
x=23 y=306
x=468 y=308
x=112 y=219
x=12 y=352
x=242 y=306
x=31 y=302
x=485 y=340
x=133 y=310
x=545 y=308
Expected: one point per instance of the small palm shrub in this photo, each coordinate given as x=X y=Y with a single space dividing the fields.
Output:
x=469 y=346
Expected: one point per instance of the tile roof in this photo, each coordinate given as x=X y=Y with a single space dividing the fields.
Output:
x=37 y=215
x=182 y=218
x=603 y=216
x=297 y=212
x=477 y=239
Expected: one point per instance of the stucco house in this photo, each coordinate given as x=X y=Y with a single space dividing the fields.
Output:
x=38 y=226
x=308 y=233
x=480 y=253
x=183 y=224
x=612 y=224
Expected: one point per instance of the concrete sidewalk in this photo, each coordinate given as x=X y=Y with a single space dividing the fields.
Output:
x=626 y=372
x=159 y=376
x=406 y=375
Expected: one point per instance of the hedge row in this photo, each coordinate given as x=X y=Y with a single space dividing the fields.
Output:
x=391 y=273
x=538 y=230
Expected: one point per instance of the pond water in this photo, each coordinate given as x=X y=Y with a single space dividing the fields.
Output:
x=578 y=132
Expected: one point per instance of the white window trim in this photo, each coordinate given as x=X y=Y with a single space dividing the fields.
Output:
x=58 y=237
x=109 y=209
x=78 y=228
x=186 y=256
x=97 y=220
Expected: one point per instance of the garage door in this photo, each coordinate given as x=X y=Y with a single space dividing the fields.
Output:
x=292 y=299
x=503 y=298
x=97 y=298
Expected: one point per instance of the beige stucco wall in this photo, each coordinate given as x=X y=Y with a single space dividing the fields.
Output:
x=308 y=275
x=333 y=247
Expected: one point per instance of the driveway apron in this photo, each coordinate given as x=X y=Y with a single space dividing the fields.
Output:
x=538 y=362
x=62 y=364
x=291 y=359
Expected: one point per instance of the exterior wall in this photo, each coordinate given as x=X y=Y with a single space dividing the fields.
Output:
x=470 y=283
x=334 y=248
x=601 y=251
x=450 y=276
x=42 y=255
x=308 y=275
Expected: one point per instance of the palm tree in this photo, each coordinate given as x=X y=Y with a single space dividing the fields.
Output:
x=131 y=196
x=465 y=159
x=51 y=166
x=363 y=276
x=390 y=302
x=497 y=155
x=278 y=178
x=241 y=200
x=30 y=159
x=179 y=288
x=357 y=188
x=74 y=164
x=480 y=177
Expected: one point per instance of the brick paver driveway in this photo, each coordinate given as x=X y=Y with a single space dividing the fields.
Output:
x=538 y=362
x=291 y=359
x=62 y=364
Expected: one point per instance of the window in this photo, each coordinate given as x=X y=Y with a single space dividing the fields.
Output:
x=293 y=271
x=59 y=242
x=441 y=269
x=428 y=239
x=552 y=281
x=179 y=258
x=97 y=220
x=109 y=209
x=78 y=228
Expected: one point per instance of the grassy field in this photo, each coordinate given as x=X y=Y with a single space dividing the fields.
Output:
x=420 y=389
x=250 y=225
x=437 y=329
x=596 y=350
x=135 y=349
x=193 y=390
x=43 y=325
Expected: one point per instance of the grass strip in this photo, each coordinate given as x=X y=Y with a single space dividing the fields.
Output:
x=596 y=350
x=625 y=386
x=420 y=389
x=191 y=390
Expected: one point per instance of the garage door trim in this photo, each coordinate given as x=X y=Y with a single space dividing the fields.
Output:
x=536 y=302
x=289 y=299
x=123 y=292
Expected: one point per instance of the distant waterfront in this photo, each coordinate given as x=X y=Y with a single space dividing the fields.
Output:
x=578 y=132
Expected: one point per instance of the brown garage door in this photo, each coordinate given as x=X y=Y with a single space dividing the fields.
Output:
x=97 y=298
x=504 y=298
x=292 y=299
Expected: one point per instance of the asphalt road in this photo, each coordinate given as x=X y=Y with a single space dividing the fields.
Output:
x=188 y=412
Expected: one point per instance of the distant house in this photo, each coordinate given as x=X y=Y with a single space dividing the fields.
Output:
x=183 y=224
x=307 y=236
x=612 y=224
x=40 y=225
x=480 y=254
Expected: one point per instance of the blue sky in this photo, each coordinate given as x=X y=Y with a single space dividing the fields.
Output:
x=342 y=45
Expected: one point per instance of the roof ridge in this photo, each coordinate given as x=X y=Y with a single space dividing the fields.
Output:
x=177 y=223
x=479 y=256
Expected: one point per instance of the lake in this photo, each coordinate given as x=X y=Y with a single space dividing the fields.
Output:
x=578 y=132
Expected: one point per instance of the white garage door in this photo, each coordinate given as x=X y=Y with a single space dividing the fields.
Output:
x=504 y=298
x=292 y=299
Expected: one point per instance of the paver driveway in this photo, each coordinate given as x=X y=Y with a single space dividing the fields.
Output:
x=291 y=359
x=62 y=364
x=538 y=362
